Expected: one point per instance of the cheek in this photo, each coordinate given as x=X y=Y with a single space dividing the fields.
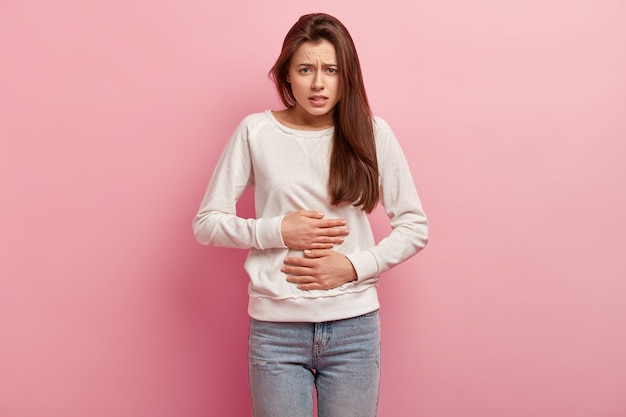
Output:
x=300 y=85
x=337 y=86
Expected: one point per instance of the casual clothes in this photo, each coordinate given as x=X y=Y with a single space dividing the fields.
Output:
x=289 y=171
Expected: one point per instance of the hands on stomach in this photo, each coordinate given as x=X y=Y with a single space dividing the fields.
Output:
x=322 y=268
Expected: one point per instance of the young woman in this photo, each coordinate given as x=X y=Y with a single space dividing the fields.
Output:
x=318 y=167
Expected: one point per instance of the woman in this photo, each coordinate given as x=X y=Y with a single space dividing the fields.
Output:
x=317 y=167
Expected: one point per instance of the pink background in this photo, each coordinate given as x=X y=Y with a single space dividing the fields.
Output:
x=113 y=113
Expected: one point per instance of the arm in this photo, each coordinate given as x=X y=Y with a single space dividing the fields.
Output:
x=409 y=226
x=325 y=269
x=217 y=223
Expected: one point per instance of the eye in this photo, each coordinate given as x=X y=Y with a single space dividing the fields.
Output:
x=332 y=70
x=305 y=70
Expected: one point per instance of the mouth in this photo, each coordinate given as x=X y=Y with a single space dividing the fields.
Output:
x=318 y=100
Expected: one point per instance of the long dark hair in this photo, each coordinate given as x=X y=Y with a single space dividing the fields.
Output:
x=353 y=174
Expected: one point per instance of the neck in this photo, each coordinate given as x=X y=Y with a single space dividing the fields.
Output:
x=301 y=119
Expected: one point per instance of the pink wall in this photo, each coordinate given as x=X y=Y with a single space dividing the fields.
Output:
x=112 y=115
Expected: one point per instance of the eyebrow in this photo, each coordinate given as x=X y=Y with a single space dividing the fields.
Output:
x=312 y=65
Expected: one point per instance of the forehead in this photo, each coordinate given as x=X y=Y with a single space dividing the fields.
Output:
x=310 y=52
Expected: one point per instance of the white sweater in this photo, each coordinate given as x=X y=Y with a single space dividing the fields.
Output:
x=289 y=171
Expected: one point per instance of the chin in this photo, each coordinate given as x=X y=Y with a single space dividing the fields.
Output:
x=319 y=111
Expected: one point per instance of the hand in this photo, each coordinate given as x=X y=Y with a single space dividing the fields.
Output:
x=307 y=229
x=320 y=269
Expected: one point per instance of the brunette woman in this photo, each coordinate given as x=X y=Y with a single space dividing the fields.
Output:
x=318 y=167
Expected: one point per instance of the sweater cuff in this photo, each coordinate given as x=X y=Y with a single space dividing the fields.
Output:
x=268 y=233
x=364 y=264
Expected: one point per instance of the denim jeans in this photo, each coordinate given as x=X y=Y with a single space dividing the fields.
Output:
x=340 y=359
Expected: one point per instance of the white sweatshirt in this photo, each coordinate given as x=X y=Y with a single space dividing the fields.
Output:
x=288 y=169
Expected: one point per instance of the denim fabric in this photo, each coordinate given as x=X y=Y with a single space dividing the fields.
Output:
x=340 y=359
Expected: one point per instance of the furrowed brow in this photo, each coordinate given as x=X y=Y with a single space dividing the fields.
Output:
x=312 y=65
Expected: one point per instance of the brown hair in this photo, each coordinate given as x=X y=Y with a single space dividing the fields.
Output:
x=353 y=175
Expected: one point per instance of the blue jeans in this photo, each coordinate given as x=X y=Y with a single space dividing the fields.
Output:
x=340 y=359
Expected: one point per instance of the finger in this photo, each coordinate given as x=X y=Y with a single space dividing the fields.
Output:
x=297 y=275
x=328 y=223
x=314 y=214
x=305 y=282
x=333 y=231
x=309 y=287
x=325 y=245
x=315 y=253
x=300 y=262
x=301 y=279
x=328 y=239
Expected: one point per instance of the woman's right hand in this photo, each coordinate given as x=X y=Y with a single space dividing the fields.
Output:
x=307 y=229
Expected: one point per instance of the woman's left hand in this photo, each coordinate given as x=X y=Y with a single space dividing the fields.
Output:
x=320 y=269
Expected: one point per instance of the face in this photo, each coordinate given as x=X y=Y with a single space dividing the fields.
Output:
x=314 y=78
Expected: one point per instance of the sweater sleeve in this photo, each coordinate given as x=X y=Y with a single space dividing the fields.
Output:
x=216 y=222
x=409 y=227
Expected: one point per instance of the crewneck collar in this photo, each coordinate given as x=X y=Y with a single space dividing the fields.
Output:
x=298 y=132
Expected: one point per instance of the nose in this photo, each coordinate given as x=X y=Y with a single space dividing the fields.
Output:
x=318 y=81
